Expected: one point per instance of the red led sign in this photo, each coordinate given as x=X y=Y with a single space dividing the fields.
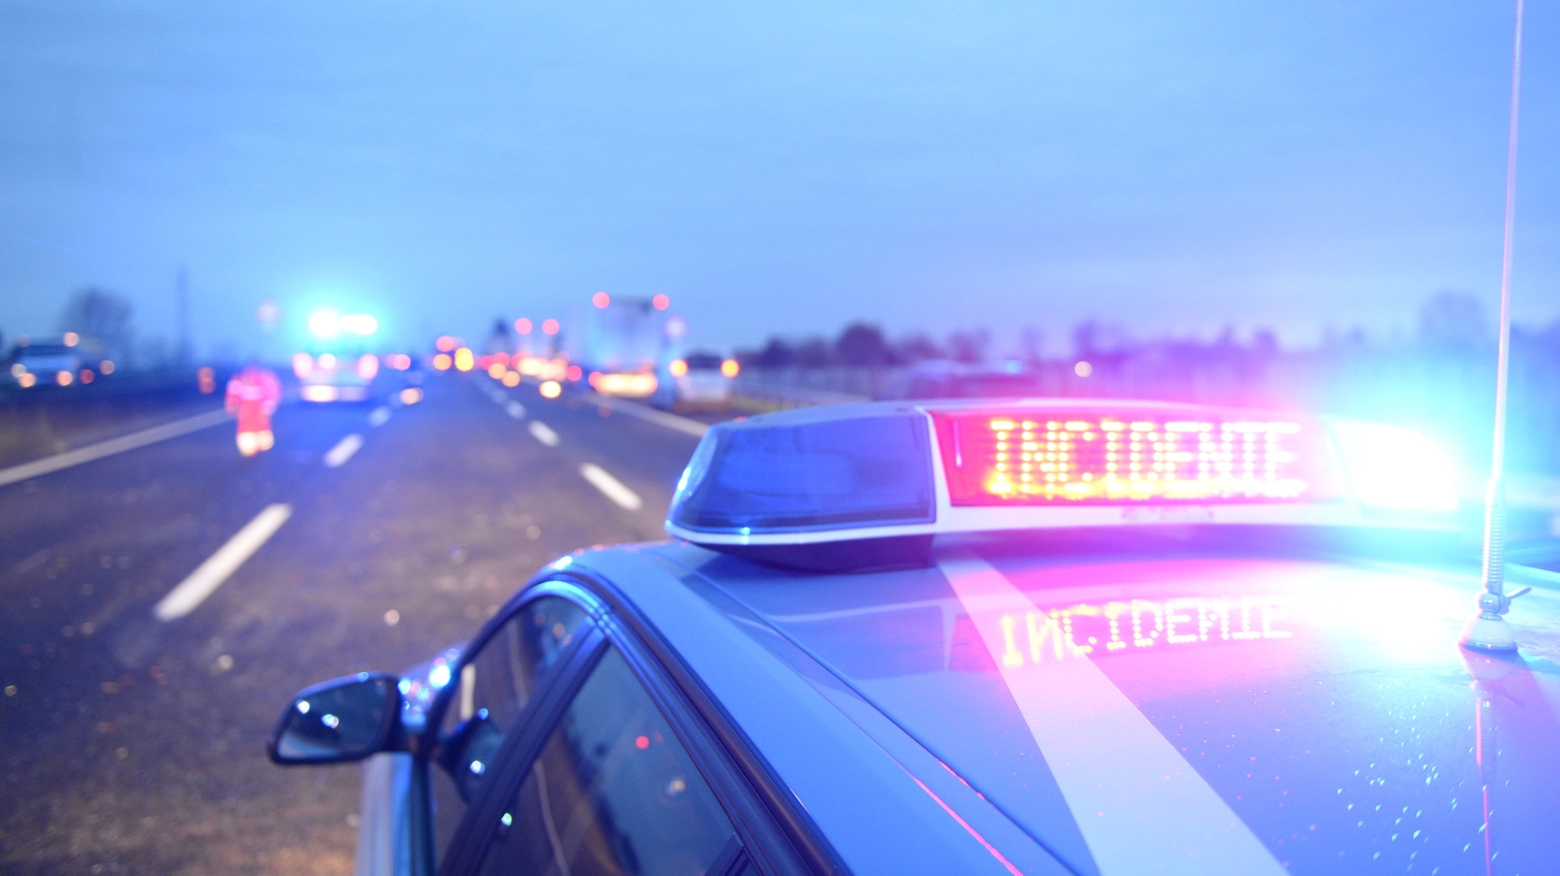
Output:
x=1049 y=458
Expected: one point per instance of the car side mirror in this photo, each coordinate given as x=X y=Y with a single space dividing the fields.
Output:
x=339 y=721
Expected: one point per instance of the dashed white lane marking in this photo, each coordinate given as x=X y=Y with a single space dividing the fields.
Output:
x=379 y=417
x=516 y=410
x=1141 y=807
x=343 y=450
x=649 y=414
x=207 y=577
x=543 y=434
x=611 y=487
x=110 y=447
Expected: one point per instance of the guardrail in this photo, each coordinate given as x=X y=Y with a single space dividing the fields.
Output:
x=761 y=398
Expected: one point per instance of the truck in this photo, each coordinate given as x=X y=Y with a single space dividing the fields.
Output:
x=621 y=344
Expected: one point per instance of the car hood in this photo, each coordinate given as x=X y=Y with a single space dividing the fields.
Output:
x=1237 y=715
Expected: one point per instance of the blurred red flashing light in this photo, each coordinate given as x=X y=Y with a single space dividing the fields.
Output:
x=661 y=302
x=1046 y=458
x=601 y=299
x=523 y=326
x=549 y=326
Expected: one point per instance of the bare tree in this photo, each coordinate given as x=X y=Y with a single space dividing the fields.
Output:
x=102 y=316
x=1453 y=320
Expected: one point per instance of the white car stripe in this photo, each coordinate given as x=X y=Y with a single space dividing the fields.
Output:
x=1140 y=806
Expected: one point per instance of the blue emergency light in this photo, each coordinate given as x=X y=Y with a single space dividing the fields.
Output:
x=850 y=473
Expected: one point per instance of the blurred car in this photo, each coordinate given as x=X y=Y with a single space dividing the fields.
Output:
x=695 y=380
x=944 y=379
x=329 y=377
x=997 y=637
x=58 y=360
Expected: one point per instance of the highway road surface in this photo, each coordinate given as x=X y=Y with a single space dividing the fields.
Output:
x=161 y=604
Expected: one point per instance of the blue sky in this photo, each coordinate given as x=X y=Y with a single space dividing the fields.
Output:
x=785 y=168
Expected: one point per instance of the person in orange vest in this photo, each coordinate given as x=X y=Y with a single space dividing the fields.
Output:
x=252 y=395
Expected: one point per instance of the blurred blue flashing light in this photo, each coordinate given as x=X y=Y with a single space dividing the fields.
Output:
x=809 y=474
x=329 y=324
x=1395 y=467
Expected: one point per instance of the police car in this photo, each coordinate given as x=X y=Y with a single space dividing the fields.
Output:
x=981 y=637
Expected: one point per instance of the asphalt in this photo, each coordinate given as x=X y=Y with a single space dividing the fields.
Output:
x=136 y=745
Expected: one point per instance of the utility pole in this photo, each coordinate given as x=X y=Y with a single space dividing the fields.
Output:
x=185 y=352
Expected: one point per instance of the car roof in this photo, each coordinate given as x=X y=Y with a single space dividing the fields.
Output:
x=1300 y=707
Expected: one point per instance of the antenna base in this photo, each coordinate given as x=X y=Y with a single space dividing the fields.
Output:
x=1488 y=632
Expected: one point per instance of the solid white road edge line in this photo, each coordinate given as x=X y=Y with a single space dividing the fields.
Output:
x=543 y=434
x=379 y=417
x=343 y=450
x=516 y=410
x=112 y=446
x=207 y=577
x=611 y=487
x=1140 y=806
x=649 y=414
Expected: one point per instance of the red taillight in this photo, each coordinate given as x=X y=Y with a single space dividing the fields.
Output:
x=368 y=366
x=303 y=364
x=995 y=457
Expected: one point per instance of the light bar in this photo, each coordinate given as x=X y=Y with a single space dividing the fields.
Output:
x=1064 y=457
x=885 y=471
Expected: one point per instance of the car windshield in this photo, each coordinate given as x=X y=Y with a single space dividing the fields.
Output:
x=703 y=362
x=42 y=351
x=328 y=328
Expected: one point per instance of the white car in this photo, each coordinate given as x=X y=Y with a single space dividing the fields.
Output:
x=1000 y=637
x=697 y=380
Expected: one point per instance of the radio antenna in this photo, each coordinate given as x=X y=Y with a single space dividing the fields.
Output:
x=1488 y=630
